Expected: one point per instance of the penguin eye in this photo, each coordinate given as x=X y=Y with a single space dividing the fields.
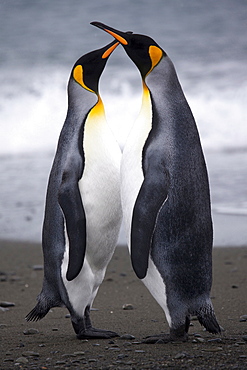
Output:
x=78 y=77
x=155 y=54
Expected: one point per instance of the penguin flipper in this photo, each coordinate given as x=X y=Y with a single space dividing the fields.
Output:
x=151 y=197
x=71 y=203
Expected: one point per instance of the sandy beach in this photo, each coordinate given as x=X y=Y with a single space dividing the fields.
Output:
x=51 y=343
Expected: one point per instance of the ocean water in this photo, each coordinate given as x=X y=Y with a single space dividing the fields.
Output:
x=41 y=40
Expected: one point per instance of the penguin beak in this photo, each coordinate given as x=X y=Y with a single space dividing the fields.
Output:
x=108 y=51
x=118 y=35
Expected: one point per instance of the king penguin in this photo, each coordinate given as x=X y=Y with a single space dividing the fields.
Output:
x=165 y=194
x=83 y=205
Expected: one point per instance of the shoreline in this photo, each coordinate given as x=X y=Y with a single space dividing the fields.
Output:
x=55 y=346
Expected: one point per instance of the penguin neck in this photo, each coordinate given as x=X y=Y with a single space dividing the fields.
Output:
x=163 y=78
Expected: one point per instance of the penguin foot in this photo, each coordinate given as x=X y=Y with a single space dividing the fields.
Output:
x=93 y=333
x=165 y=338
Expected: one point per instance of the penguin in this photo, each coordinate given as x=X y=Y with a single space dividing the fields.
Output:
x=83 y=205
x=165 y=194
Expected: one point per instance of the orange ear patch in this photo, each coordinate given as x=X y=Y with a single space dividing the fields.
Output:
x=78 y=76
x=155 y=54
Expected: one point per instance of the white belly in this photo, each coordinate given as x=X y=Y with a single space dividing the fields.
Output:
x=100 y=193
x=131 y=181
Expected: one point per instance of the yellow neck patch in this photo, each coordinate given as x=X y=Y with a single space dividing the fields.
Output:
x=155 y=54
x=78 y=76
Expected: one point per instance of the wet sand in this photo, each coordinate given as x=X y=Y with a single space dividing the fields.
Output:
x=53 y=343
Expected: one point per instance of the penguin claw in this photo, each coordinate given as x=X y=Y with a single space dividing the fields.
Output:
x=93 y=333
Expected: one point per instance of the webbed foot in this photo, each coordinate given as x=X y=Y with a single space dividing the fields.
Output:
x=164 y=338
x=93 y=333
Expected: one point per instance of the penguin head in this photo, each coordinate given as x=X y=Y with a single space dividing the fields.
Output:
x=143 y=50
x=88 y=68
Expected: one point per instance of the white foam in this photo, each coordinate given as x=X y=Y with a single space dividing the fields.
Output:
x=32 y=112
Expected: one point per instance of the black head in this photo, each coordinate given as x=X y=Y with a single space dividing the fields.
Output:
x=143 y=50
x=88 y=68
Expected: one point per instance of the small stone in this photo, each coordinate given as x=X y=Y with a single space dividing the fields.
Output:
x=54 y=329
x=67 y=316
x=68 y=355
x=217 y=349
x=3 y=309
x=234 y=286
x=244 y=337
x=215 y=340
x=30 y=331
x=60 y=362
x=38 y=267
x=243 y=356
x=200 y=340
x=21 y=360
x=3 y=276
x=243 y=318
x=128 y=306
x=92 y=360
x=30 y=354
x=122 y=355
x=140 y=351
x=180 y=355
x=79 y=353
x=113 y=349
x=3 y=326
x=7 y=304
x=127 y=337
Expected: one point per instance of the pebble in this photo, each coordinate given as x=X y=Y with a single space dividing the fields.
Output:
x=79 y=353
x=3 y=326
x=30 y=331
x=68 y=355
x=3 y=309
x=217 y=349
x=30 y=354
x=38 y=267
x=6 y=304
x=243 y=318
x=3 y=276
x=21 y=360
x=140 y=351
x=200 y=340
x=215 y=340
x=113 y=349
x=244 y=337
x=127 y=337
x=180 y=355
x=128 y=306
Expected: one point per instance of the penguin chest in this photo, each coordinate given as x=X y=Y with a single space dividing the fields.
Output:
x=131 y=165
x=100 y=190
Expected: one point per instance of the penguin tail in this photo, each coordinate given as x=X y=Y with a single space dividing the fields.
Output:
x=39 y=311
x=207 y=318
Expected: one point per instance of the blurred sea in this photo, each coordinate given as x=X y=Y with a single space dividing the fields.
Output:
x=41 y=40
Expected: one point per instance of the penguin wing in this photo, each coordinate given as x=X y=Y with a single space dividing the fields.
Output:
x=151 y=197
x=70 y=201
